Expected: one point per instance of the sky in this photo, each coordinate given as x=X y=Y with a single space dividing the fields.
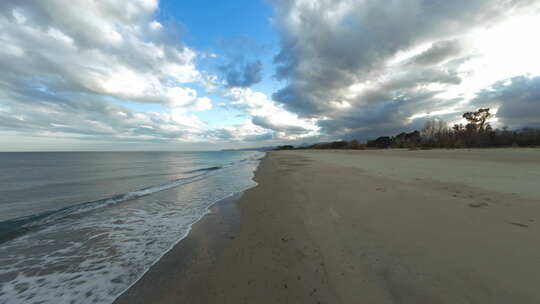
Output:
x=123 y=75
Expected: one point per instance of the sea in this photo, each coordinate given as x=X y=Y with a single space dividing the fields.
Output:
x=82 y=227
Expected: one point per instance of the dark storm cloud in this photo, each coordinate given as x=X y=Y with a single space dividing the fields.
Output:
x=438 y=52
x=421 y=76
x=517 y=99
x=243 y=75
x=329 y=45
x=387 y=114
x=240 y=64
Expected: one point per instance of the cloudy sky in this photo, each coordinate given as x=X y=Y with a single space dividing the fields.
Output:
x=204 y=74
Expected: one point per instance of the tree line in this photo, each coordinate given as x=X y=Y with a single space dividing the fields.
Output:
x=476 y=133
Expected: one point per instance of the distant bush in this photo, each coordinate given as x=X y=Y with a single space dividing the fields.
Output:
x=383 y=142
x=342 y=144
x=477 y=133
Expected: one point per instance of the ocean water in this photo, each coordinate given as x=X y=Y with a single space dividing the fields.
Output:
x=82 y=227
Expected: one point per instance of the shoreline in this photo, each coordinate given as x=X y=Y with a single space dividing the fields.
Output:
x=357 y=226
x=222 y=209
x=218 y=225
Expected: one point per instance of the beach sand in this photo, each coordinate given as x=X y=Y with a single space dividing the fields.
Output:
x=395 y=226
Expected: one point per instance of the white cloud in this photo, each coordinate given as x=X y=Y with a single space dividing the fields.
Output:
x=178 y=97
x=155 y=26
x=100 y=47
x=62 y=64
x=203 y=104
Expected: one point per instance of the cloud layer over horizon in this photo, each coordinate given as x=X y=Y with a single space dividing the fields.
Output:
x=112 y=71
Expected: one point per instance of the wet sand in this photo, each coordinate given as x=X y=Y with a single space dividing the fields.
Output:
x=397 y=226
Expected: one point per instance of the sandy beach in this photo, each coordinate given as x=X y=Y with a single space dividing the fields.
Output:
x=393 y=226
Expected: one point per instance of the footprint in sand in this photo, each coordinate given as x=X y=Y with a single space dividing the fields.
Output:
x=478 y=205
x=518 y=224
